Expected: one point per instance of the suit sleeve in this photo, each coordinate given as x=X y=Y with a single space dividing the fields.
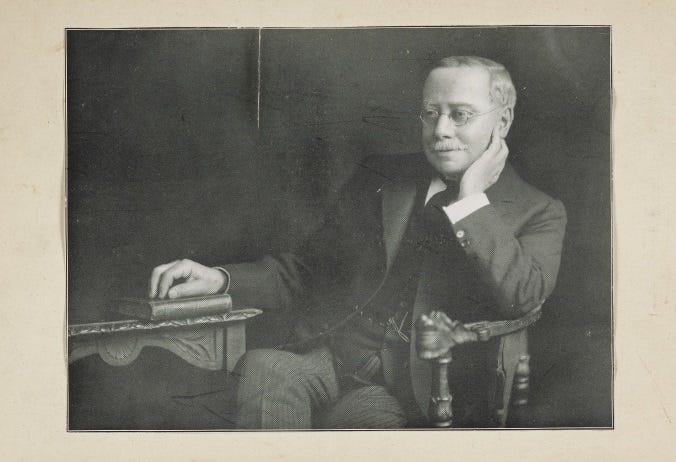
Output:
x=520 y=270
x=271 y=283
x=285 y=280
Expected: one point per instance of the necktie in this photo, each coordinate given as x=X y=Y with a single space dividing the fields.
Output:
x=436 y=221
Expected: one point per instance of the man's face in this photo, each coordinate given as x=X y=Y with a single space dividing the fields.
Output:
x=451 y=149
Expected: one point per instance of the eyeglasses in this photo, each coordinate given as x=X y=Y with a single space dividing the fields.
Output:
x=459 y=117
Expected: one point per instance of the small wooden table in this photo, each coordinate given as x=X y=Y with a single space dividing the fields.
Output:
x=199 y=341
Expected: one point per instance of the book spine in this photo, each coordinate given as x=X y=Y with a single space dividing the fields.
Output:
x=189 y=309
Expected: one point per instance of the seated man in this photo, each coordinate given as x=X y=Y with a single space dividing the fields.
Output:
x=454 y=230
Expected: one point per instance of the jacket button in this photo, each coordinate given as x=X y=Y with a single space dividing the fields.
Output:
x=460 y=234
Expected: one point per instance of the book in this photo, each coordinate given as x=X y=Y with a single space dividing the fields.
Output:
x=154 y=309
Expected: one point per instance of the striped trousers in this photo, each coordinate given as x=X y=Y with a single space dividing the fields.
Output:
x=283 y=390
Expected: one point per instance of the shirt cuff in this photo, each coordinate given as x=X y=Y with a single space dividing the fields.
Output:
x=226 y=285
x=464 y=207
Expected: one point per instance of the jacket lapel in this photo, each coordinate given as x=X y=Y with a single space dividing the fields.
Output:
x=398 y=201
x=502 y=194
x=399 y=198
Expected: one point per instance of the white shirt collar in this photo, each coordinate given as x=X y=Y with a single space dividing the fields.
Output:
x=436 y=185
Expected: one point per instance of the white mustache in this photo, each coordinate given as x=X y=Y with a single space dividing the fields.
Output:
x=450 y=146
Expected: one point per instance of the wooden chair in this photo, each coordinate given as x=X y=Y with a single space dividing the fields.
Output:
x=512 y=383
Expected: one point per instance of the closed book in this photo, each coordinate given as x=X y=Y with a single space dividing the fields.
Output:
x=153 y=309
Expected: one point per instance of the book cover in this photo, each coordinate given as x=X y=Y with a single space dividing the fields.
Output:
x=153 y=309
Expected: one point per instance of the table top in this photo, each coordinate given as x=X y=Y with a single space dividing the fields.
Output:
x=134 y=325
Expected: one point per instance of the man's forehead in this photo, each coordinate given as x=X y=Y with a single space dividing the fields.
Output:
x=448 y=84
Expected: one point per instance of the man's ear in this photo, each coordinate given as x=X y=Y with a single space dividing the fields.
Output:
x=505 y=121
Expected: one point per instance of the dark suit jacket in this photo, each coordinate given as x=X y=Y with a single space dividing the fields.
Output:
x=512 y=250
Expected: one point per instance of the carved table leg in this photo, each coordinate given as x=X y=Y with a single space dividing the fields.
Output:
x=199 y=341
x=200 y=347
x=235 y=344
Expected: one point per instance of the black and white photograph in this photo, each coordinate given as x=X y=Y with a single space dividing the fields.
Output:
x=367 y=228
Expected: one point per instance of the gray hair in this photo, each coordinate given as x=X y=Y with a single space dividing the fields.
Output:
x=501 y=90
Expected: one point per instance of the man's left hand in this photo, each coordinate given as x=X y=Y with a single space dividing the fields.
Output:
x=486 y=169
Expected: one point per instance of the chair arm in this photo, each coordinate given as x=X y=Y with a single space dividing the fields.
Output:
x=436 y=329
x=485 y=330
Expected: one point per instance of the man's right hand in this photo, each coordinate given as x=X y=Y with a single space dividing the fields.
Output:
x=185 y=278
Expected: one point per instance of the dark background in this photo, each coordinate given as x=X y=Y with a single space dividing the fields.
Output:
x=169 y=157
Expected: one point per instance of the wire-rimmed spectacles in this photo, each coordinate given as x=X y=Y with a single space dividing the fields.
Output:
x=458 y=117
